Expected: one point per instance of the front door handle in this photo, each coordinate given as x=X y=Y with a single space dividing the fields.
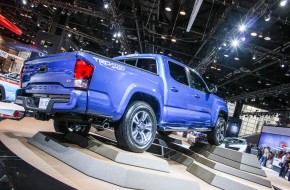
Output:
x=174 y=89
x=196 y=96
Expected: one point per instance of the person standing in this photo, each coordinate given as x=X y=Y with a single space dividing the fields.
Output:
x=265 y=156
x=260 y=153
x=282 y=164
x=285 y=165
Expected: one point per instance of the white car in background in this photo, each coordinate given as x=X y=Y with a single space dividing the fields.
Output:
x=234 y=143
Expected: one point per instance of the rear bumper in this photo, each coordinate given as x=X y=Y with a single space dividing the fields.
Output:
x=76 y=103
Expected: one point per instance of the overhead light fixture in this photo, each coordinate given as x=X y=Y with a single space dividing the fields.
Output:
x=220 y=48
x=168 y=8
x=170 y=54
x=119 y=34
x=254 y=34
x=282 y=65
x=283 y=3
x=182 y=12
x=218 y=69
x=173 y=40
x=102 y=20
x=214 y=60
x=259 y=81
x=24 y=2
x=242 y=28
x=45 y=5
x=254 y=57
x=114 y=35
x=226 y=55
x=268 y=84
x=287 y=74
x=54 y=8
x=267 y=38
x=235 y=43
x=163 y=37
x=161 y=52
x=69 y=35
x=267 y=17
x=237 y=59
x=38 y=24
x=225 y=44
x=243 y=39
x=106 y=5
x=212 y=67
x=207 y=77
x=31 y=5
x=260 y=36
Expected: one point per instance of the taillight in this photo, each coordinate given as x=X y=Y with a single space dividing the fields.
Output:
x=83 y=74
x=20 y=77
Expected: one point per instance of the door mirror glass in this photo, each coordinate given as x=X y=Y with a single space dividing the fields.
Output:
x=212 y=88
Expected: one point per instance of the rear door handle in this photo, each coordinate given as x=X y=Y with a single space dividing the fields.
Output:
x=196 y=96
x=174 y=89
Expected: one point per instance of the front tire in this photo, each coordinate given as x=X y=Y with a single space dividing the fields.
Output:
x=137 y=129
x=217 y=136
x=71 y=127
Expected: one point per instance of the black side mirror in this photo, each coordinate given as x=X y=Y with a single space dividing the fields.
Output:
x=212 y=88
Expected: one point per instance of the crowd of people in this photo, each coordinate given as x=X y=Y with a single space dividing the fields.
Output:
x=265 y=153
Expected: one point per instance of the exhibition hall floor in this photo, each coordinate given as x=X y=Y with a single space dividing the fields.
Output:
x=14 y=135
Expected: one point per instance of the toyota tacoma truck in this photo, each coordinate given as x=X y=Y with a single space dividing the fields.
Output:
x=138 y=95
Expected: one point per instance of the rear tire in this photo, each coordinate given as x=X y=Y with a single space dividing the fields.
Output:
x=70 y=127
x=137 y=129
x=217 y=135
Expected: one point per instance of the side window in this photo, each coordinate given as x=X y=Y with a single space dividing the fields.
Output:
x=178 y=73
x=147 y=64
x=130 y=62
x=196 y=82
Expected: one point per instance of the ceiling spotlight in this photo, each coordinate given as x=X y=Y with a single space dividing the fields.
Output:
x=254 y=57
x=235 y=43
x=237 y=59
x=267 y=38
x=225 y=44
x=168 y=8
x=38 y=24
x=115 y=35
x=226 y=55
x=242 y=28
x=214 y=60
x=45 y=5
x=243 y=39
x=282 y=65
x=31 y=5
x=212 y=67
x=220 y=48
x=267 y=17
x=254 y=34
x=170 y=54
x=218 y=69
x=119 y=34
x=260 y=36
x=259 y=81
x=287 y=74
x=173 y=40
x=54 y=8
x=69 y=35
x=24 y=2
x=163 y=37
x=106 y=5
x=182 y=12
x=283 y=3
x=207 y=77
x=268 y=84
x=161 y=52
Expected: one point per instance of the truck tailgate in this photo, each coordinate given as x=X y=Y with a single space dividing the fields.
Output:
x=49 y=73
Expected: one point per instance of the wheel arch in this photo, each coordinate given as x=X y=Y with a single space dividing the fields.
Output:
x=149 y=99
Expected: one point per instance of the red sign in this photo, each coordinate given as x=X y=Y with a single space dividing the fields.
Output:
x=7 y=24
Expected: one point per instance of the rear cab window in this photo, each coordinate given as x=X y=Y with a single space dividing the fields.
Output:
x=147 y=64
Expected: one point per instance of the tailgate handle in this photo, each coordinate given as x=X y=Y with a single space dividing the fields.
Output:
x=42 y=69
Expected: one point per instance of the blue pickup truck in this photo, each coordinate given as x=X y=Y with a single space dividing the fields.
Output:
x=138 y=95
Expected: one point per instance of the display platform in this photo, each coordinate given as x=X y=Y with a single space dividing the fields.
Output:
x=179 y=167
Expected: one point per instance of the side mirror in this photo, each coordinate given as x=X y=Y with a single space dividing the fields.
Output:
x=212 y=88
